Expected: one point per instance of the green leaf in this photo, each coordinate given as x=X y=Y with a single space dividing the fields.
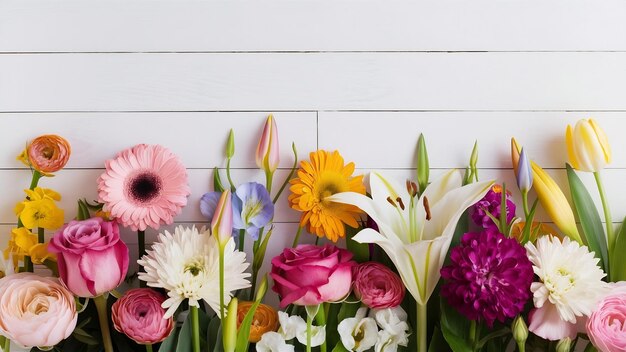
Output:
x=184 y=338
x=618 y=259
x=348 y=310
x=213 y=332
x=589 y=218
x=169 y=344
x=455 y=329
x=340 y=348
x=217 y=181
x=332 y=335
x=361 y=251
x=244 y=328
x=438 y=343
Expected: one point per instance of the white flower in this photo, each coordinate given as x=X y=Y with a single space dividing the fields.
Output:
x=186 y=264
x=6 y=266
x=273 y=342
x=318 y=335
x=295 y=326
x=570 y=286
x=358 y=333
x=395 y=329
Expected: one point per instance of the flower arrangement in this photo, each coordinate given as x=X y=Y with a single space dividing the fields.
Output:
x=419 y=265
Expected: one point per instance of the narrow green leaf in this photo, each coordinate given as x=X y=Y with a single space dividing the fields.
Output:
x=589 y=217
x=217 y=181
x=244 y=328
x=259 y=254
x=618 y=259
x=455 y=329
x=213 y=332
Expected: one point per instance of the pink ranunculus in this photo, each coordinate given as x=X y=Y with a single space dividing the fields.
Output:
x=139 y=315
x=92 y=258
x=35 y=311
x=377 y=286
x=605 y=326
x=309 y=275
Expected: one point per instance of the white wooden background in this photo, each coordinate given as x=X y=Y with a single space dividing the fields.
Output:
x=364 y=77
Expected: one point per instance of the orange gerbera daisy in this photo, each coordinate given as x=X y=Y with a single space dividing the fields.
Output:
x=318 y=179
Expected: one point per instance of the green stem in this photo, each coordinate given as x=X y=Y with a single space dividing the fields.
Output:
x=195 y=328
x=607 y=212
x=221 y=259
x=320 y=319
x=309 y=322
x=268 y=181
x=422 y=334
x=40 y=235
x=242 y=237
x=230 y=180
x=472 y=334
x=103 y=318
x=35 y=180
x=521 y=346
x=28 y=264
x=6 y=346
x=148 y=348
x=255 y=269
x=297 y=238
x=142 y=251
x=317 y=240
x=525 y=204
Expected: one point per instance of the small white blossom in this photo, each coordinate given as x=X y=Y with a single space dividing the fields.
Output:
x=395 y=329
x=273 y=342
x=358 y=333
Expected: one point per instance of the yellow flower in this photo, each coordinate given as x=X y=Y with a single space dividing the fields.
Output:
x=41 y=213
x=318 y=179
x=587 y=146
x=551 y=197
x=24 y=243
x=34 y=195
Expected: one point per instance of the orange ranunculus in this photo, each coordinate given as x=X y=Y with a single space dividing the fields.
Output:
x=46 y=154
x=539 y=228
x=265 y=319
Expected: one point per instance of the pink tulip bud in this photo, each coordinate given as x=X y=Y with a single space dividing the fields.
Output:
x=267 y=153
x=222 y=223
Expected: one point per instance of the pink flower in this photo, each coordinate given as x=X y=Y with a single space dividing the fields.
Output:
x=605 y=326
x=267 y=152
x=139 y=315
x=222 y=222
x=35 y=310
x=309 y=275
x=92 y=258
x=377 y=286
x=144 y=186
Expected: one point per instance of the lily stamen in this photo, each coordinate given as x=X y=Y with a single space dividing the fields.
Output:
x=399 y=200
x=392 y=202
x=427 y=208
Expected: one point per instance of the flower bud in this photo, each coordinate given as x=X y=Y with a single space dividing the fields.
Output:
x=230 y=144
x=587 y=146
x=520 y=330
x=222 y=223
x=230 y=327
x=267 y=152
x=423 y=168
x=524 y=173
x=564 y=345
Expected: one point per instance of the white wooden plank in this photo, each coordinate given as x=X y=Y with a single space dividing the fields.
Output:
x=197 y=138
x=392 y=137
x=313 y=81
x=271 y=25
x=75 y=184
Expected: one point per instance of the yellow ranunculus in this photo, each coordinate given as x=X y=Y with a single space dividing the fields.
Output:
x=551 y=197
x=587 y=146
x=41 y=213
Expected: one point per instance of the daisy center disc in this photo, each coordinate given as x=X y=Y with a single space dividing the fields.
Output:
x=144 y=187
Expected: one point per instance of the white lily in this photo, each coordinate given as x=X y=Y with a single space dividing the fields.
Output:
x=415 y=232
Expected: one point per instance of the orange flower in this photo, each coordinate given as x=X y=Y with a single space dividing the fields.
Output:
x=540 y=229
x=46 y=154
x=265 y=319
x=325 y=175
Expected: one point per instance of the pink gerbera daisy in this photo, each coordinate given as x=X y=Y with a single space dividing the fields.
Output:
x=144 y=186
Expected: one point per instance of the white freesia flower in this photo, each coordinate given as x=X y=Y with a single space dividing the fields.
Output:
x=273 y=342
x=395 y=329
x=415 y=232
x=359 y=333
x=318 y=335
x=570 y=286
x=186 y=264
x=290 y=326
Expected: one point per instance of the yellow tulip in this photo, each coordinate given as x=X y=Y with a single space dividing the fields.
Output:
x=587 y=146
x=551 y=197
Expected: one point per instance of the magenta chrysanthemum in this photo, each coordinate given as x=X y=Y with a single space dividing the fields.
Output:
x=489 y=277
x=491 y=202
x=144 y=186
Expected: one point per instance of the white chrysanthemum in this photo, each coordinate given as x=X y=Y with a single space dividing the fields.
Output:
x=570 y=278
x=186 y=264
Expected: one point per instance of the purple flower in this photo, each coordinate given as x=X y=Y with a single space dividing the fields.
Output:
x=252 y=208
x=491 y=203
x=489 y=277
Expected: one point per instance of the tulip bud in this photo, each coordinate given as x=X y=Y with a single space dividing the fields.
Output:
x=230 y=144
x=564 y=345
x=222 y=223
x=230 y=327
x=520 y=330
x=423 y=168
x=267 y=152
x=260 y=292
x=524 y=173
x=588 y=148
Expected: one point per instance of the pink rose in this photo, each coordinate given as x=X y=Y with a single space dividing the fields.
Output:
x=309 y=275
x=35 y=310
x=139 y=315
x=377 y=286
x=605 y=325
x=92 y=258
